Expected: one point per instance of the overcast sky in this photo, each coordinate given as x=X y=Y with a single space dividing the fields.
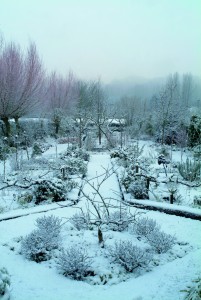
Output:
x=108 y=39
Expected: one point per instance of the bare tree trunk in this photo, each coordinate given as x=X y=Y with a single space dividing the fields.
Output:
x=99 y=135
x=17 y=124
x=100 y=237
x=57 y=128
x=80 y=134
x=7 y=126
x=163 y=134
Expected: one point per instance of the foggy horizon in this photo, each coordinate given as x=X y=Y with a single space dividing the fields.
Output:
x=110 y=40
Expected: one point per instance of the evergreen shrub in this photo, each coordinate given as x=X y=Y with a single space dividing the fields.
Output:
x=138 y=189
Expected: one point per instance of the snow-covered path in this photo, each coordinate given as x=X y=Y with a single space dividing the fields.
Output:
x=30 y=280
x=100 y=180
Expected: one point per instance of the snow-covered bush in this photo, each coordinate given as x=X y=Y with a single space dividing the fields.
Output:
x=160 y=241
x=70 y=184
x=119 y=153
x=129 y=256
x=194 y=292
x=54 y=190
x=128 y=155
x=135 y=151
x=197 y=201
x=51 y=226
x=4 y=284
x=33 y=247
x=119 y=220
x=80 y=220
x=138 y=189
x=126 y=181
x=36 y=150
x=37 y=246
x=75 y=263
x=76 y=153
x=25 y=198
x=128 y=178
x=81 y=153
x=144 y=226
x=75 y=165
x=190 y=170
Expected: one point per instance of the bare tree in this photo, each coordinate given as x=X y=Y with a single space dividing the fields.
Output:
x=101 y=208
x=21 y=79
x=98 y=107
x=92 y=109
x=187 y=89
x=61 y=96
x=83 y=109
x=131 y=107
x=167 y=107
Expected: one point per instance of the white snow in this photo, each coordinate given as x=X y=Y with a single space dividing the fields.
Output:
x=173 y=272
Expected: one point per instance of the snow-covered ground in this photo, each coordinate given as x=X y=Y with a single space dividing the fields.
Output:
x=163 y=279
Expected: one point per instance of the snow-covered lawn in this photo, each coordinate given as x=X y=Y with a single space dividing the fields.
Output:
x=162 y=279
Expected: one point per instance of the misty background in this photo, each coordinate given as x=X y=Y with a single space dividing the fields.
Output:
x=112 y=40
x=130 y=59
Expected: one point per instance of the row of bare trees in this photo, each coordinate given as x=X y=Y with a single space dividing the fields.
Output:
x=166 y=113
x=26 y=88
